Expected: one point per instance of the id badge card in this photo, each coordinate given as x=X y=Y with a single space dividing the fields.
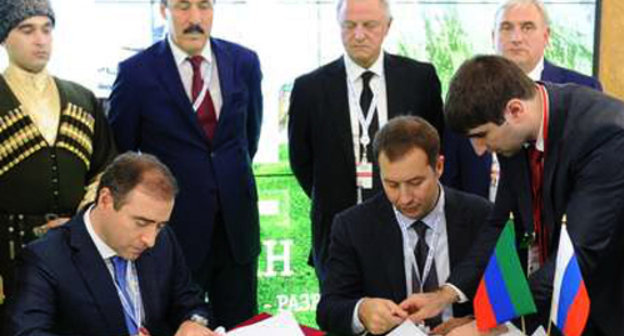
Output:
x=364 y=174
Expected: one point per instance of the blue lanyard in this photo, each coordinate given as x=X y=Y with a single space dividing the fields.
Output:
x=135 y=312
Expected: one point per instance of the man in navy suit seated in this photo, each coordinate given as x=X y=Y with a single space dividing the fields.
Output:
x=521 y=34
x=114 y=269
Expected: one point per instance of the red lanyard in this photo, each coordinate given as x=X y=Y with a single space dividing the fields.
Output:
x=537 y=174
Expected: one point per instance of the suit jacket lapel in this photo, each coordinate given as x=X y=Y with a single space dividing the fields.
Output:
x=225 y=69
x=97 y=278
x=550 y=73
x=147 y=285
x=456 y=231
x=522 y=178
x=393 y=87
x=338 y=111
x=390 y=234
x=169 y=76
x=551 y=157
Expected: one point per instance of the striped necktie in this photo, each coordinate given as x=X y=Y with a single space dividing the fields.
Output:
x=206 y=114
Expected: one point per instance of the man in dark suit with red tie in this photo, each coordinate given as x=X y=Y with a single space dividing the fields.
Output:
x=571 y=139
x=196 y=103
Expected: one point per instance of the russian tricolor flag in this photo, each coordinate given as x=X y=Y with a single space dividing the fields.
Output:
x=570 y=304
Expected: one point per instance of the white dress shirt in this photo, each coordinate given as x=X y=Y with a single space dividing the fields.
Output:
x=437 y=240
x=536 y=73
x=539 y=142
x=377 y=85
x=209 y=68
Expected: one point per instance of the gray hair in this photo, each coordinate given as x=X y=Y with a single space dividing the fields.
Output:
x=505 y=5
x=384 y=3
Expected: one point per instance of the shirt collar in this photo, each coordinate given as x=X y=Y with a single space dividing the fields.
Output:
x=430 y=219
x=539 y=142
x=536 y=73
x=39 y=81
x=180 y=56
x=354 y=70
x=105 y=251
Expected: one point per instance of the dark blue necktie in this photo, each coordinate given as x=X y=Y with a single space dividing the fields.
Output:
x=120 y=265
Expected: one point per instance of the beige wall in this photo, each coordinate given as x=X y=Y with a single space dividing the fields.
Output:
x=611 y=70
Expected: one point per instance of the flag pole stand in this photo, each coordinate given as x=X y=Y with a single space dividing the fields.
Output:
x=549 y=327
x=523 y=325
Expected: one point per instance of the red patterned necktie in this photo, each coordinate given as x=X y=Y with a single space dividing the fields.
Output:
x=206 y=114
x=536 y=164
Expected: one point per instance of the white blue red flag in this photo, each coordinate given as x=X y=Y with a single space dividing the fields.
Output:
x=570 y=303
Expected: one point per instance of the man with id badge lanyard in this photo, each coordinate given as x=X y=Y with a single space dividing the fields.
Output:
x=336 y=110
x=114 y=269
x=416 y=229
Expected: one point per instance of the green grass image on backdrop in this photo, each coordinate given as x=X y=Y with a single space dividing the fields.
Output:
x=297 y=292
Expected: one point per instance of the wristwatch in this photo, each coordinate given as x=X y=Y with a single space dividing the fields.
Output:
x=199 y=320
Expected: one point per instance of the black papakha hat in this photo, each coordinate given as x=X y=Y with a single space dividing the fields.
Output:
x=12 y=12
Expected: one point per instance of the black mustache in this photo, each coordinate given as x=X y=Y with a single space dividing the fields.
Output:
x=194 y=28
